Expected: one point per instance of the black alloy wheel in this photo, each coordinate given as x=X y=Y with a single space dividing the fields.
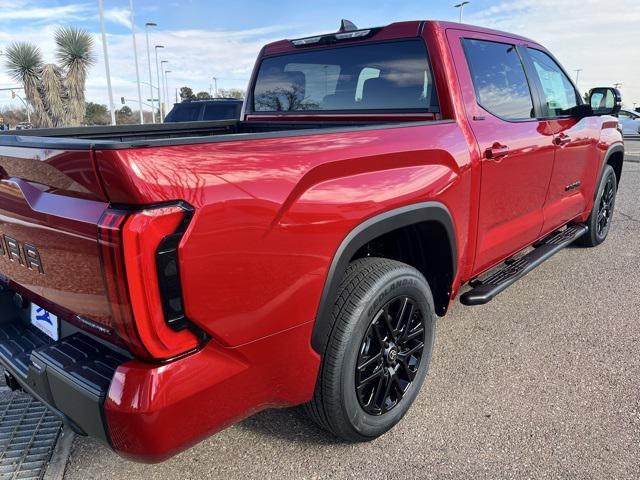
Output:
x=390 y=355
x=605 y=209
x=377 y=351
x=600 y=219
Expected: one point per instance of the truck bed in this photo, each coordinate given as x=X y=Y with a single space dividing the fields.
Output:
x=127 y=136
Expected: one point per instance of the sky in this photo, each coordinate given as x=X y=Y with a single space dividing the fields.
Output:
x=204 y=39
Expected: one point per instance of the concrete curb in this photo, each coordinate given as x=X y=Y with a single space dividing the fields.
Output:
x=58 y=463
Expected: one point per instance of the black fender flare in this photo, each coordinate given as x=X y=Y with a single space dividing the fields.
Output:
x=615 y=148
x=362 y=234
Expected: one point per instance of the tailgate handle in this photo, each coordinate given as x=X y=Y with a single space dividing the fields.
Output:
x=56 y=205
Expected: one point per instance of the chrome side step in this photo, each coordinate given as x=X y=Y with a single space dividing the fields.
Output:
x=483 y=291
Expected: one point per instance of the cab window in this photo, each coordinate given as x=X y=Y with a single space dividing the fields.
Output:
x=499 y=79
x=560 y=96
x=394 y=76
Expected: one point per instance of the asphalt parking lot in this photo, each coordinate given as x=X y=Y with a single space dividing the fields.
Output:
x=543 y=382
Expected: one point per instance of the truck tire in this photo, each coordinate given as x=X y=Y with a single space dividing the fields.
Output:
x=599 y=221
x=378 y=350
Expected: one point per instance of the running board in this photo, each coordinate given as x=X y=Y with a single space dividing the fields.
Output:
x=485 y=290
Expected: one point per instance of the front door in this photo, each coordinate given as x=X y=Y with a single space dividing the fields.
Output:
x=577 y=156
x=517 y=147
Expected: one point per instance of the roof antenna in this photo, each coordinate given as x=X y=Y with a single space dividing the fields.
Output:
x=347 y=26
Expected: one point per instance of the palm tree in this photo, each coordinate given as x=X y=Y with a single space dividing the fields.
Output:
x=75 y=54
x=55 y=92
x=24 y=62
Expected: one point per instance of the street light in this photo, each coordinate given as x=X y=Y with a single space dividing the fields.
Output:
x=156 y=47
x=577 y=70
x=146 y=29
x=164 y=86
x=215 y=83
x=461 y=7
x=135 y=56
x=106 y=62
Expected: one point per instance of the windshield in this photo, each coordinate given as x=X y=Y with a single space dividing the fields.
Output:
x=381 y=76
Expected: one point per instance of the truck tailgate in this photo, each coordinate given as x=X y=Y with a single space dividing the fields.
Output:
x=50 y=207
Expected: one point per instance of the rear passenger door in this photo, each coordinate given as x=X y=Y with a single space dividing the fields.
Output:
x=517 y=147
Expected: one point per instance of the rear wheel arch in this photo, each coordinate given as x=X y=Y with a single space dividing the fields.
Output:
x=429 y=223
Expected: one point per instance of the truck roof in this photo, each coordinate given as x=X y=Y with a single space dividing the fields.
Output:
x=392 y=31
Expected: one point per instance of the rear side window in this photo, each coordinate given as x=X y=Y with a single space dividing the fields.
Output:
x=560 y=96
x=185 y=112
x=381 y=76
x=499 y=80
x=222 y=111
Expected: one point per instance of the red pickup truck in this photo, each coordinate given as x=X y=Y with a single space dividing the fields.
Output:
x=161 y=282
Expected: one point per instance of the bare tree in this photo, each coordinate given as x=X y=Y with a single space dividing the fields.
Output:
x=284 y=99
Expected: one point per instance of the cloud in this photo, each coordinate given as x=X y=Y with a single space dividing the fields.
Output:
x=583 y=34
x=20 y=10
x=194 y=56
x=121 y=16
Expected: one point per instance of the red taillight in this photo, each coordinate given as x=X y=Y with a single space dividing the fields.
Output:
x=142 y=279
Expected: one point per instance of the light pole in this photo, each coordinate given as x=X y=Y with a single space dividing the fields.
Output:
x=146 y=30
x=106 y=62
x=215 y=85
x=164 y=86
x=461 y=7
x=156 y=47
x=135 y=56
x=577 y=70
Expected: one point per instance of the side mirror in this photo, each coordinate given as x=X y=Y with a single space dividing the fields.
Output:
x=605 y=100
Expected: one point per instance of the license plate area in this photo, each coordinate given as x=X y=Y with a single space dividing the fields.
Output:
x=45 y=321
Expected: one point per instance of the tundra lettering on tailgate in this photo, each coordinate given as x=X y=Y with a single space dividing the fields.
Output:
x=25 y=254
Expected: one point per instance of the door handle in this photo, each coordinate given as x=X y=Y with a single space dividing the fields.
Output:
x=496 y=151
x=562 y=139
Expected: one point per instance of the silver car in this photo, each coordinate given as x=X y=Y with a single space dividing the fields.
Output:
x=630 y=122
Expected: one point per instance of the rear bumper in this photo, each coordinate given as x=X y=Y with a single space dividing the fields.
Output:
x=71 y=376
x=153 y=412
x=149 y=412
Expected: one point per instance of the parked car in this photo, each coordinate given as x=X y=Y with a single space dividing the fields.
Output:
x=198 y=110
x=629 y=121
x=170 y=280
x=24 y=126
